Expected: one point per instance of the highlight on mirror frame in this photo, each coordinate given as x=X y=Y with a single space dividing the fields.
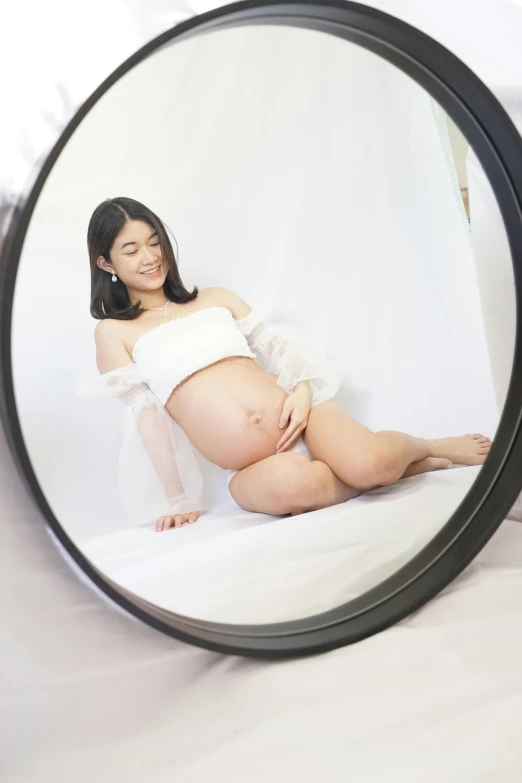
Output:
x=259 y=290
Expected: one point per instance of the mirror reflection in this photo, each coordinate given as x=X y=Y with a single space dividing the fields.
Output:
x=251 y=286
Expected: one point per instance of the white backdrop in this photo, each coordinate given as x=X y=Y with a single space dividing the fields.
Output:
x=91 y=689
x=284 y=176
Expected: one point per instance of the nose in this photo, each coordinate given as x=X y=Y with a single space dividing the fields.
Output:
x=150 y=259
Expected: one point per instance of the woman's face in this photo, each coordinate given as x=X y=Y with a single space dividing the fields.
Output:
x=136 y=257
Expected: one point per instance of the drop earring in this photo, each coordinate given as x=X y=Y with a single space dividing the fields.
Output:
x=114 y=278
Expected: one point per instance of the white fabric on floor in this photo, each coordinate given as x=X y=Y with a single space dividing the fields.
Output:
x=89 y=689
x=91 y=694
x=250 y=568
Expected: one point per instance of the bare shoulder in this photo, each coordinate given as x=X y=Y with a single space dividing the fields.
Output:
x=108 y=330
x=226 y=298
x=111 y=351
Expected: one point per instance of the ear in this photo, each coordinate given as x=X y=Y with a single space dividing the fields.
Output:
x=104 y=264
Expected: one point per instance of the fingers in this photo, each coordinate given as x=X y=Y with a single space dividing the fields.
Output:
x=285 y=414
x=291 y=436
x=176 y=521
x=163 y=523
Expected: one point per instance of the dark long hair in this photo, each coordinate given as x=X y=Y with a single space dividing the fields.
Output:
x=111 y=300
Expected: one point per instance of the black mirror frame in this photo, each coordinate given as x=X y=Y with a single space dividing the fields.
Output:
x=498 y=147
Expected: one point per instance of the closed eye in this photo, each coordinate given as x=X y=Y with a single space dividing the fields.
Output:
x=134 y=253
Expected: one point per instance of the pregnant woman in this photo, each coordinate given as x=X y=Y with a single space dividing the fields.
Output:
x=201 y=372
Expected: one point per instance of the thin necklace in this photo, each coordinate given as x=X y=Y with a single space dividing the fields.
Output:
x=164 y=308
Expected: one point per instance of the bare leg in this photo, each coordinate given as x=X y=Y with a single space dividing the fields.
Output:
x=463 y=450
x=427 y=465
x=348 y=460
x=290 y=483
x=364 y=459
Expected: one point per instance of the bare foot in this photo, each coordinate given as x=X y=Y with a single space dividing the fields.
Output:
x=427 y=465
x=463 y=450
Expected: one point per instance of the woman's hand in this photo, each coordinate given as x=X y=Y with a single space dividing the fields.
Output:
x=176 y=520
x=294 y=416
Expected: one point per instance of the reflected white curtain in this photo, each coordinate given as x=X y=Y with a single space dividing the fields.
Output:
x=495 y=274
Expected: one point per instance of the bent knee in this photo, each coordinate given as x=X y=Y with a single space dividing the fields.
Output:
x=377 y=468
x=299 y=485
x=290 y=484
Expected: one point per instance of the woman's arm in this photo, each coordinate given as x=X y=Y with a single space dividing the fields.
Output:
x=151 y=421
x=111 y=351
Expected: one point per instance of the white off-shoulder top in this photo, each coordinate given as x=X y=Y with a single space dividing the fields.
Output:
x=171 y=352
x=159 y=471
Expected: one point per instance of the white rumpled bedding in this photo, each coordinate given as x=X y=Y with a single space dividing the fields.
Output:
x=85 y=687
x=235 y=566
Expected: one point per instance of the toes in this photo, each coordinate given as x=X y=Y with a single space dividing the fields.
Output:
x=441 y=463
x=480 y=438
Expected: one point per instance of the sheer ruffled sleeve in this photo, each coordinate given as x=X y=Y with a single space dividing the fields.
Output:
x=290 y=353
x=158 y=470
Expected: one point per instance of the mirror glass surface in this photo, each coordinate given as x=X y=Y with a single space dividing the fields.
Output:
x=313 y=182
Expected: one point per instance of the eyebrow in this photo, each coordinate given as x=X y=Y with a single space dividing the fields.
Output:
x=154 y=234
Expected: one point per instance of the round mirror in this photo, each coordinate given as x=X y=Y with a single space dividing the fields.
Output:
x=252 y=374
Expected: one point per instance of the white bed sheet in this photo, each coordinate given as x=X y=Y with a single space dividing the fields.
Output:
x=235 y=566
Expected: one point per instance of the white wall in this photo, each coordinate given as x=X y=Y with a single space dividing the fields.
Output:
x=317 y=174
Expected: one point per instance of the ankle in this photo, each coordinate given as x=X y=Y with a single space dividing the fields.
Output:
x=428 y=446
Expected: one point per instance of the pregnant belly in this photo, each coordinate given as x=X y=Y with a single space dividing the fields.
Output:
x=230 y=412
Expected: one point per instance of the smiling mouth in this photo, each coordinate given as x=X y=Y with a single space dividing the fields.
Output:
x=151 y=272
